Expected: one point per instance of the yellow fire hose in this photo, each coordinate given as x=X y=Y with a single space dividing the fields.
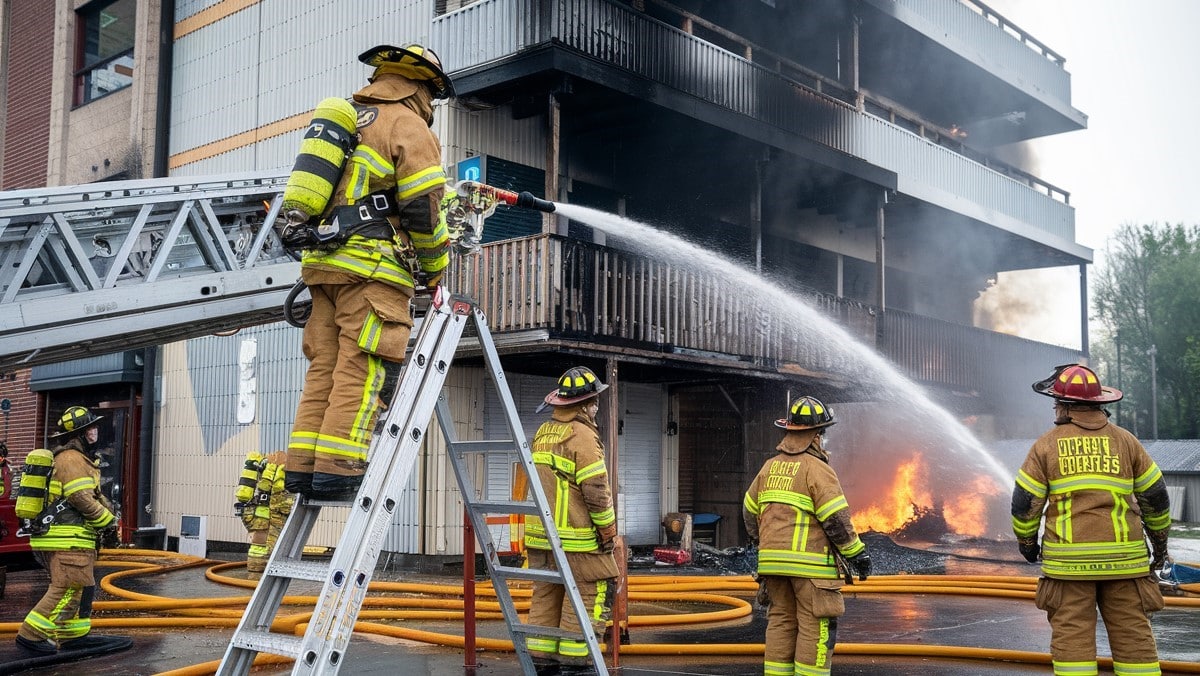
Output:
x=725 y=591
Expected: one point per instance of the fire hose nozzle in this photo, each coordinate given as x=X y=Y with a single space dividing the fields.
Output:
x=526 y=200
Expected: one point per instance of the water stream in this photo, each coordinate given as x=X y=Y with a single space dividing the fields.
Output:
x=939 y=429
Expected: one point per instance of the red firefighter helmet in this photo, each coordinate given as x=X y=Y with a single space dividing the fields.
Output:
x=1075 y=383
x=807 y=413
x=73 y=420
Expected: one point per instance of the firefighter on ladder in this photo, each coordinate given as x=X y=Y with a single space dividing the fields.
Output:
x=797 y=492
x=570 y=463
x=388 y=200
x=263 y=504
x=83 y=519
x=1098 y=491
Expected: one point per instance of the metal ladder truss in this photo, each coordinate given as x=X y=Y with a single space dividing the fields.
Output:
x=393 y=454
x=75 y=262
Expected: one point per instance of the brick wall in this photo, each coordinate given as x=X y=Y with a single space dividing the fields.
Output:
x=22 y=426
x=27 y=90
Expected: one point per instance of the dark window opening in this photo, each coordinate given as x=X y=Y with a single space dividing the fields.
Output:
x=104 y=48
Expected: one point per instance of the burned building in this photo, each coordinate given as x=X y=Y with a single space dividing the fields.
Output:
x=839 y=160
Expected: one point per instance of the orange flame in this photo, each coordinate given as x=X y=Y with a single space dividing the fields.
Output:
x=966 y=513
x=900 y=504
x=909 y=499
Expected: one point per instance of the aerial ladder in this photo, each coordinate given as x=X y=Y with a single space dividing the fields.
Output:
x=105 y=267
x=94 y=269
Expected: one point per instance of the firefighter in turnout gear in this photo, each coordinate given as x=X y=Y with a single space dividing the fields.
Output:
x=796 y=514
x=82 y=517
x=263 y=504
x=570 y=463
x=388 y=203
x=1100 y=495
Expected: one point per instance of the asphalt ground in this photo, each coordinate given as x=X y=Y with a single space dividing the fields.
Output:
x=908 y=619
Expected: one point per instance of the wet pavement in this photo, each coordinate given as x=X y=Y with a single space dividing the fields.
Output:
x=910 y=619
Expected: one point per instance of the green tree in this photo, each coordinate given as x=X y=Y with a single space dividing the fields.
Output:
x=1146 y=294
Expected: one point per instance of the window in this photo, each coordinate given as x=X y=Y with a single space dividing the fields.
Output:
x=104 y=54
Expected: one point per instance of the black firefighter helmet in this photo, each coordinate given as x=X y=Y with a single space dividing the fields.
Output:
x=807 y=413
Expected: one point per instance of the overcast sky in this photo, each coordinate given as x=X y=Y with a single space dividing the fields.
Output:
x=1135 y=72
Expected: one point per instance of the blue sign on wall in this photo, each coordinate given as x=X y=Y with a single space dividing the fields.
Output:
x=471 y=169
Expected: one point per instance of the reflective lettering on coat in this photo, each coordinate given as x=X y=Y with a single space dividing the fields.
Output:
x=549 y=437
x=779 y=476
x=1087 y=455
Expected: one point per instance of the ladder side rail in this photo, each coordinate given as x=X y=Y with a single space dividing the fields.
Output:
x=495 y=370
x=268 y=595
x=139 y=188
x=483 y=536
x=332 y=625
x=4 y=224
x=80 y=208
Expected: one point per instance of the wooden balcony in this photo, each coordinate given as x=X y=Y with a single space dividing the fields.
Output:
x=576 y=290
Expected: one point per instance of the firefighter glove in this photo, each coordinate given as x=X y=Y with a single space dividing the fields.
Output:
x=1158 y=547
x=608 y=538
x=1030 y=549
x=762 y=598
x=861 y=565
x=109 y=537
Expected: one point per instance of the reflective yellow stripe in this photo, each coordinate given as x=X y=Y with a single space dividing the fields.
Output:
x=797 y=500
x=1147 y=478
x=1033 y=486
x=80 y=484
x=421 y=182
x=593 y=470
x=829 y=508
x=368 y=404
x=344 y=448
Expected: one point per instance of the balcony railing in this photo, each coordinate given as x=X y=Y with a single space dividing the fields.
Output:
x=631 y=41
x=582 y=291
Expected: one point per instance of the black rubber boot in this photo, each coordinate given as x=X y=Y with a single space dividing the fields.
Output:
x=298 y=483
x=546 y=667
x=42 y=647
x=334 y=486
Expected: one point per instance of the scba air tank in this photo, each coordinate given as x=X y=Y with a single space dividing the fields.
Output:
x=35 y=483
x=330 y=138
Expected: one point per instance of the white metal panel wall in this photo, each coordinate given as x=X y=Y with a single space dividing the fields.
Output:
x=277 y=59
x=466 y=133
x=639 y=463
x=443 y=520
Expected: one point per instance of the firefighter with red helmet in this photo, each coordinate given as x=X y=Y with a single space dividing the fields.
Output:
x=797 y=515
x=81 y=516
x=570 y=464
x=385 y=210
x=1100 y=495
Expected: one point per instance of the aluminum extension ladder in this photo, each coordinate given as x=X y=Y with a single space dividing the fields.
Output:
x=393 y=454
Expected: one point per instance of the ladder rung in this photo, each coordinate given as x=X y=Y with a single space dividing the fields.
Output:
x=538 y=630
x=316 y=571
x=535 y=574
x=484 y=446
x=309 y=502
x=504 y=507
x=268 y=642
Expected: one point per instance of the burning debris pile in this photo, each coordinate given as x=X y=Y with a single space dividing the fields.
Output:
x=903 y=481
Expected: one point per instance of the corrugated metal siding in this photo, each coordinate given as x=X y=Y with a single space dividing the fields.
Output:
x=187 y=8
x=443 y=519
x=639 y=463
x=275 y=60
x=466 y=133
